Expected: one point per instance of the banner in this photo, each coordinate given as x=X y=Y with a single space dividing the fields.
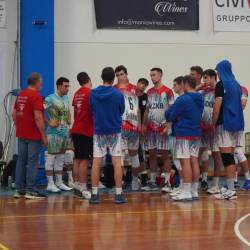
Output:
x=231 y=15
x=147 y=14
x=2 y=14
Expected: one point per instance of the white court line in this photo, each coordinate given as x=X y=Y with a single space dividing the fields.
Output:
x=237 y=229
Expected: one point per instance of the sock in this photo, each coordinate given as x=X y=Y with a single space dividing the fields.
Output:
x=204 y=176
x=83 y=186
x=118 y=191
x=70 y=177
x=216 y=181
x=195 y=186
x=247 y=176
x=50 y=179
x=152 y=177
x=59 y=179
x=187 y=187
x=95 y=190
x=166 y=176
x=181 y=184
x=230 y=184
x=236 y=177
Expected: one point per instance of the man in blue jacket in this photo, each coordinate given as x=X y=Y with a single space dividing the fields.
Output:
x=185 y=115
x=229 y=121
x=107 y=105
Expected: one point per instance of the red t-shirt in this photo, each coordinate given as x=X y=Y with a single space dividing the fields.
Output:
x=26 y=103
x=83 y=118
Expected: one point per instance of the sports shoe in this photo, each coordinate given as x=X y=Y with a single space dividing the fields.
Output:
x=19 y=194
x=34 y=195
x=71 y=184
x=175 y=191
x=119 y=199
x=246 y=185
x=63 y=187
x=94 y=199
x=135 y=184
x=195 y=195
x=86 y=195
x=213 y=190
x=101 y=186
x=183 y=196
x=166 y=189
x=226 y=194
x=150 y=187
x=52 y=188
x=204 y=185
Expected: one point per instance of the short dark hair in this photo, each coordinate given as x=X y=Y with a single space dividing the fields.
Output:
x=197 y=69
x=179 y=80
x=158 y=70
x=211 y=73
x=144 y=81
x=61 y=80
x=108 y=74
x=190 y=81
x=83 y=78
x=121 y=68
x=34 y=78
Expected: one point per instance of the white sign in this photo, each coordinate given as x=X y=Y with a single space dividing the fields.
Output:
x=2 y=14
x=231 y=15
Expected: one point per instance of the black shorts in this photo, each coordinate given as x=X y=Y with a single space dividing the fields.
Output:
x=83 y=146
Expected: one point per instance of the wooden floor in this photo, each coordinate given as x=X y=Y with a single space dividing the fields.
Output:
x=148 y=221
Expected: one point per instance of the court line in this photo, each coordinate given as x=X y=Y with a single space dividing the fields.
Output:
x=114 y=213
x=237 y=229
x=2 y=247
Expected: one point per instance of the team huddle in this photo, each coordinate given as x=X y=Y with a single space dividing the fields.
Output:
x=121 y=120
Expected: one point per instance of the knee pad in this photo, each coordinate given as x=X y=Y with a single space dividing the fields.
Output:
x=177 y=164
x=239 y=155
x=135 y=163
x=59 y=162
x=205 y=156
x=227 y=159
x=49 y=161
x=68 y=157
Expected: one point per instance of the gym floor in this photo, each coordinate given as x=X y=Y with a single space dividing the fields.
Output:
x=148 y=221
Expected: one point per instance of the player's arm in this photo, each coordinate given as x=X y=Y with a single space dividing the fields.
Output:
x=243 y=103
x=219 y=94
x=69 y=118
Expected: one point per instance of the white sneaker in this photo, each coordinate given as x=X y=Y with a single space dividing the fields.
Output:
x=183 y=196
x=101 y=186
x=175 y=191
x=195 y=195
x=52 y=188
x=86 y=194
x=136 y=184
x=213 y=190
x=226 y=194
x=63 y=187
x=167 y=188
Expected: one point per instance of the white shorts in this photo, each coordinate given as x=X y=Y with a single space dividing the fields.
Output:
x=227 y=139
x=186 y=149
x=104 y=144
x=130 y=140
x=154 y=140
x=209 y=142
x=239 y=155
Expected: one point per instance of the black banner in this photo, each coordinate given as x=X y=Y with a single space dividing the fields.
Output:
x=147 y=14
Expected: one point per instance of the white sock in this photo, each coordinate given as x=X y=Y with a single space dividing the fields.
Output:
x=216 y=181
x=118 y=191
x=181 y=184
x=59 y=179
x=236 y=177
x=247 y=176
x=95 y=190
x=204 y=176
x=230 y=184
x=153 y=177
x=166 y=176
x=50 y=180
x=187 y=188
x=70 y=176
x=195 y=186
